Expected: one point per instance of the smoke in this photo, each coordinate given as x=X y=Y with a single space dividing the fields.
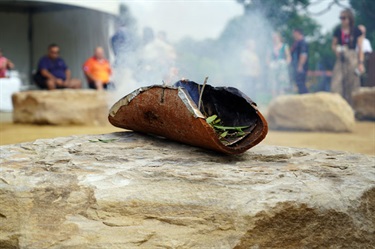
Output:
x=239 y=57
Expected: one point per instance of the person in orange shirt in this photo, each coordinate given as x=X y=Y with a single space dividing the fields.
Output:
x=98 y=70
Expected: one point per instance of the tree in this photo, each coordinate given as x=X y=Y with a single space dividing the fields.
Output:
x=283 y=15
x=365 y=14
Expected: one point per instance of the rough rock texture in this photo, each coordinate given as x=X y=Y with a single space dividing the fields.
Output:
x=133 y=191
x=61 y=107
x=364 y=103
x=311 y=112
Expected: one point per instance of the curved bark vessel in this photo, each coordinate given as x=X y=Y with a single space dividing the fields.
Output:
x=172 y=112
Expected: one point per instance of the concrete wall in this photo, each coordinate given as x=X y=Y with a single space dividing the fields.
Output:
x=14 y=39
x=77 y=31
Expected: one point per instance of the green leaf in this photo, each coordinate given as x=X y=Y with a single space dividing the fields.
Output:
x=217 y=121
x=224 y=134
x=220 y=127
x=240 y=134
x=107 y=140
x=211 y=119
x=102 y=140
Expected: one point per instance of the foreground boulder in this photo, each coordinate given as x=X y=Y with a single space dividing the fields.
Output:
x=364 y=103
x=60 y=107
x=125 y=190
x=311 y=112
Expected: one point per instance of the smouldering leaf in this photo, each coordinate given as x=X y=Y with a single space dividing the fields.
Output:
x=224 y=134
x=220 y=127
x=211 y=119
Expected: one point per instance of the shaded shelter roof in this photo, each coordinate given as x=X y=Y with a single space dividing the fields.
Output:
x=53 y=5
x=78 y=26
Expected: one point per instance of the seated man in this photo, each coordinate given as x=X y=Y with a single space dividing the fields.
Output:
x=5 y=64
x=53 y=72
x=97 y=70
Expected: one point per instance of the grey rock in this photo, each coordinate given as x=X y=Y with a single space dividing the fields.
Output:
x=364 y=103
x=126 y=190
x=61 y=107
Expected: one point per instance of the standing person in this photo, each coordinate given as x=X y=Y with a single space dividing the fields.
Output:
x=348 y=61
x=251 y=67
x=97 y=70
x=278 y=64
x=300 y=54
x=119 y=40
x=158 y=59
x=367 y=50
x=366 y=45
x=53 y=72
x=5 y=64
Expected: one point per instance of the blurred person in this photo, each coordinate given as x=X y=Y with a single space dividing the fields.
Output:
x=123 y=44
x=367 y=50
x=300 y=55
x=158 y=59
x=251 y=66
x=97 y=70
x=5 y=64
x=119 y=39
x=53 y=73
x=366 y=45
x=148 y=35
x=349 y=62
x=279 y=60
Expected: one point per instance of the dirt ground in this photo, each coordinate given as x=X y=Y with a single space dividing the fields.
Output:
x=362 y=140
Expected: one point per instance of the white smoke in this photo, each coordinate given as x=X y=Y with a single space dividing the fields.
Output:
x=238 y=58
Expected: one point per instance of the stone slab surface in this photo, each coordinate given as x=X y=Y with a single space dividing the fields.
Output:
x=61 y=107
x=126 y=190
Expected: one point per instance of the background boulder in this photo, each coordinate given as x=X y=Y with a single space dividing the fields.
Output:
x=126 y=190
x=61 y=107
x=364 y=103
x=311 y=112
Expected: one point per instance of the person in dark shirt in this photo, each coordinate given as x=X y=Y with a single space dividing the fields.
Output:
x=349 y=62
x=53 y=73
x=300 y=53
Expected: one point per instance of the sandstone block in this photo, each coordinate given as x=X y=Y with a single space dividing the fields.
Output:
x=311 y=112
x=364 y=103
x=60 y=107
x=126 y=190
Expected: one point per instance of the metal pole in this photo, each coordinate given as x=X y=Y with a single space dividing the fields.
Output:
x=31 y=44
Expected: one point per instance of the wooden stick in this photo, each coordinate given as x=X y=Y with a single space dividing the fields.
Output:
x=201 y=93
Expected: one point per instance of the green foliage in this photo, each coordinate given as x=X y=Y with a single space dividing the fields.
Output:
x=282 y=14
x=365 y=15
x=286 y=15
x=321 y=55
x=278 y=12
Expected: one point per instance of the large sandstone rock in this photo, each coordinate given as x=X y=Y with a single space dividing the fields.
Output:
x=61 y=107
x=311 y=112
x=132 y=191
x=364 y=103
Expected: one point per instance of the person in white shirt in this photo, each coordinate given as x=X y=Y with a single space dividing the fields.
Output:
x=366 y=45
x=366 y=49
